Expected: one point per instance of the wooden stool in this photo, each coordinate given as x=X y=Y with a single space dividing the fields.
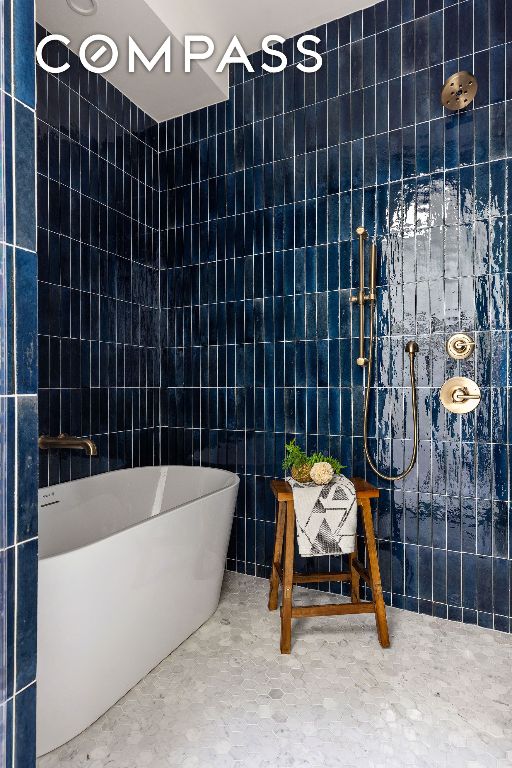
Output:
x=285 y=533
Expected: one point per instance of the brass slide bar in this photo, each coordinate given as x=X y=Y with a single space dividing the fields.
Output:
x=362 y=297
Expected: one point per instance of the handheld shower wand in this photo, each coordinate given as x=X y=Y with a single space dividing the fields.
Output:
x=411 y=348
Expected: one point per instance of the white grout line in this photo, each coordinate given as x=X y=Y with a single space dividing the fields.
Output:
x=13 y=546
x=13 y=160
x=3 y=352
x=14 y=696
x=22 y=103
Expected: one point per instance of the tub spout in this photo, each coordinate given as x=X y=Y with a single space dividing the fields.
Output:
x=66 y=441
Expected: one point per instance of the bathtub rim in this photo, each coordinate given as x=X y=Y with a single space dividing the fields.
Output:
x=234 y=484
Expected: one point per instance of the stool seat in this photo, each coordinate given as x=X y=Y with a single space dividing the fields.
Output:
x=283 y=567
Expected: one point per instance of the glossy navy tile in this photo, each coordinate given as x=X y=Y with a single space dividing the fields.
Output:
x=24 y=160
x=18 y=385
x=109 y=161
x=481 y=19
x=25 y=731
x=249 y=226
x=23 y=58
x=435 y=144
x=26 y=635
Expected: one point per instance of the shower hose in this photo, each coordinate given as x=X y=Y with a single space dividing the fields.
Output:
x=411 y=348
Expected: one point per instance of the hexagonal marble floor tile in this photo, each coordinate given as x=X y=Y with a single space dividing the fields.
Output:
x=440 y=696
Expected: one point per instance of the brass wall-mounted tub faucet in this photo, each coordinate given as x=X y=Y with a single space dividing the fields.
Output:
x=64 y=441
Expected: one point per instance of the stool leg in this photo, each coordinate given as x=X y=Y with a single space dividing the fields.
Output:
x=276 y=561
x=355 y=581
x=373 y=567
x=286 y=609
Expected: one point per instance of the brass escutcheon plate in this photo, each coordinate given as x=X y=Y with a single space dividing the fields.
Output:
x=459 y=91
x=460 y=395
x=460 y=346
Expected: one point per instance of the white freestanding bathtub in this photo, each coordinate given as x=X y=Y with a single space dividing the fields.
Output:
x=130 y=564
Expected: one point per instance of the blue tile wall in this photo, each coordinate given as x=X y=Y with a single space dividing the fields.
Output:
x=18 y=386
x=226 y=237
x=260 y=198
x=98 y=236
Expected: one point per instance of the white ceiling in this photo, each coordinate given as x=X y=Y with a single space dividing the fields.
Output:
x=149 y=22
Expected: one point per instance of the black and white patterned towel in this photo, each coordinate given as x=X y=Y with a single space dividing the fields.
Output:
x=326 y=516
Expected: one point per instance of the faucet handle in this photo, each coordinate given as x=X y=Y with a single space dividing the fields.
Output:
x=460 y=395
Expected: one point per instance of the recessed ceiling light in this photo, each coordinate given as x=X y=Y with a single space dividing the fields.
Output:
x=83 y=7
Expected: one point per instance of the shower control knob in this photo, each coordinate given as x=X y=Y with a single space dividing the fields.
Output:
x=460 y=346
x=460 y=395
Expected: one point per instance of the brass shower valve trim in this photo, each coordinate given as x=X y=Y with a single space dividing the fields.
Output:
x=460 y=395
x=460 y=346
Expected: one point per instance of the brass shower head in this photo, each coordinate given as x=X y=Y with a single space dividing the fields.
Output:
x=459 y=91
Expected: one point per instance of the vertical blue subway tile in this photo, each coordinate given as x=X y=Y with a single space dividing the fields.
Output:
x=469 y=581
x=356 y=25
x=439 y=576
x=466 y=29
x=394 y=12
x=25 y=177
x=425 y=572
x=484 y=584
x=369 y=21
x=497 y=136
x=501 y=586
x=395 y=155
x=397 y=568
x=408 y=99
x=408 y=10
x=7 y=46
x=27 y=467
x=481 y=19
x=395 y=49
x=381 y=57
x=482 y=66
x=23 y=42
x=26 y=636
x=454 y=578
x=497 y=80
x=25 y=732
x=408 y=48
x=421 y=43
x=26 y=330
x=395 y=98
x=435 y=38
x=411 y=570
x=451 y=32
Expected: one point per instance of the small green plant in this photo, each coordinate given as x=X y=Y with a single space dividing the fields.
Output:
x=295 y=457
